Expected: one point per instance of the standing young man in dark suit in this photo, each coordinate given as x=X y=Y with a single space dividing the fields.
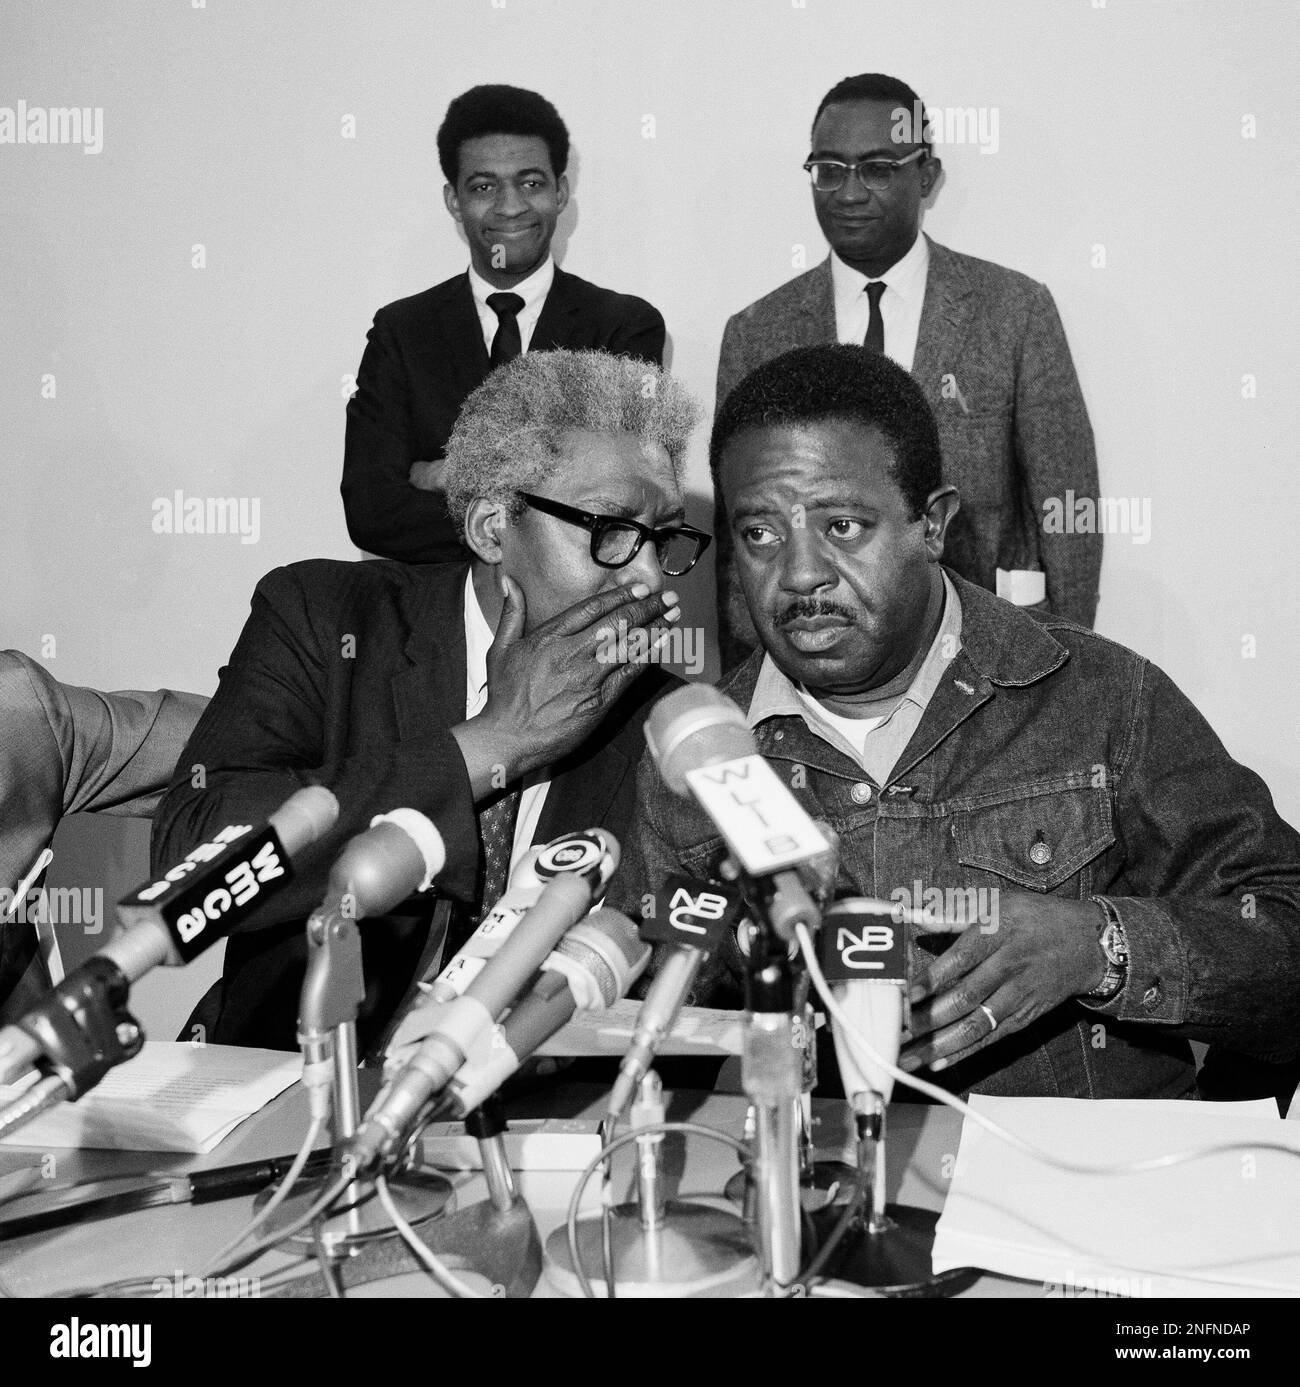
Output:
x=504 y=151
x=494 y=696
x=984 y=343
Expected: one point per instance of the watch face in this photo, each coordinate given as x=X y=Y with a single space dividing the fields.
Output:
x=1113 y=944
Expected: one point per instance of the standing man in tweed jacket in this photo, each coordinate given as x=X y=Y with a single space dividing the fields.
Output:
x=985 y=344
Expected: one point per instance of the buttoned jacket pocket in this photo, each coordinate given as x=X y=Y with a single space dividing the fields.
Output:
x=1043 y=837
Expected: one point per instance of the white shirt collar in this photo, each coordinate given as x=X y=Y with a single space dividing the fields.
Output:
x=532 y=290
x=905 y=276
x=478 y=637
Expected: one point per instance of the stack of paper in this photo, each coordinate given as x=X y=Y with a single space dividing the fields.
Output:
x=171 y=1097
x=1227 y=1224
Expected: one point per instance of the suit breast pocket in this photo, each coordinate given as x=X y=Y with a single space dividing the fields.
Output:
x=1045 y=840
x=979 y=457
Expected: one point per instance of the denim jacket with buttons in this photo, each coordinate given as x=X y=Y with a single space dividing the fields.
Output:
x=1051 y=759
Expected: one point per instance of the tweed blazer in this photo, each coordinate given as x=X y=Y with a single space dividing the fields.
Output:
x=992 y=359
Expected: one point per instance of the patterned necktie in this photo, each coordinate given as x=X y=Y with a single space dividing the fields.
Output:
x=496 y=827
x=875 y=338
x=496 y=823
x=507 y=344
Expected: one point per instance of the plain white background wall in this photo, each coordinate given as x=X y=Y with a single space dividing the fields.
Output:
x=1124 y=126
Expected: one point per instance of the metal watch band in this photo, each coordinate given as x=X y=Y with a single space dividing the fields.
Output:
x=1116 y=960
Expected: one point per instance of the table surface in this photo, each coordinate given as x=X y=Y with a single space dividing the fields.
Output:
x=169 y=1242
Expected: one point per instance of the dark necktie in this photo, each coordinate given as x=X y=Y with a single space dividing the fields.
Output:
x=496 y=827
x=875 y=338
x=507 y=344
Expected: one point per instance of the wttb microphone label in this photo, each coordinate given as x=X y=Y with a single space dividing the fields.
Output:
x=247 y=867
x=853 y=946
x=693 y=912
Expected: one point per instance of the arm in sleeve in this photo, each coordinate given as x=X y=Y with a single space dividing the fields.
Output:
x=641 y=335
x=115 y=752
x=386 y=515
x=264 y=736
x=124 y=767
x=1055 y=454
x=1211 y=907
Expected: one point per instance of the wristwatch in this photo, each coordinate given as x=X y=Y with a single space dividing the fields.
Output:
x=1114 y=944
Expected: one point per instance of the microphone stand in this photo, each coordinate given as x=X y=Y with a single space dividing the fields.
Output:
x=332 y=992
x=889 y=1247
x=657 y=1247
x=772 y=1077
x=497 y=1237
x=819 y=1181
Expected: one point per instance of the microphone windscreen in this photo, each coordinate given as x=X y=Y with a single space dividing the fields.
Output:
x=308 y=814
x=377 y=870
x=424 y=835
x=695 y=727
x=607 y=946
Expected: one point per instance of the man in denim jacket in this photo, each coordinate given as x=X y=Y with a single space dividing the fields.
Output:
x=1133 y=886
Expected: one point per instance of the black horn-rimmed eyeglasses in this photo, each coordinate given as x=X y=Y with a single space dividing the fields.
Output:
x=616 y=540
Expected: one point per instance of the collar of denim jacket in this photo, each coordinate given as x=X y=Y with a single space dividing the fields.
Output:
x=1005 y=645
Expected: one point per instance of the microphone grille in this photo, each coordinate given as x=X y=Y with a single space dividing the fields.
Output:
x=593 y=962
x=695 y=727
x=606 y=944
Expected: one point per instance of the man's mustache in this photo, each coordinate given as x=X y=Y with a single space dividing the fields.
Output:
x=805 y=608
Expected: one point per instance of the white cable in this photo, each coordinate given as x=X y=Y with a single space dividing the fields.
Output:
x=436 y=1268
x=314 y=1132
x=941 y=1095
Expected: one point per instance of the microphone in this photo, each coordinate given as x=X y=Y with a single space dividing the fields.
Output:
x=212 y=890
x=217 y=886
x=453 y=1027
x=691 y=917
x=593 y=854
x=863 y=954
x=399 y=854
x=704 y=750
x=593 y=966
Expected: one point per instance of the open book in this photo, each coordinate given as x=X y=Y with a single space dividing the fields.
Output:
x=172 y=1096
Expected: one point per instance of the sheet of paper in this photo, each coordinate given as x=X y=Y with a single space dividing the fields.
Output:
x=171 y=1097
x=1225 y=1224
x=532 y=1143
x=699 y=1031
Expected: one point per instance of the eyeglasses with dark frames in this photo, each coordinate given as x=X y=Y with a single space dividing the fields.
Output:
x=616 y=540
x=875 y=175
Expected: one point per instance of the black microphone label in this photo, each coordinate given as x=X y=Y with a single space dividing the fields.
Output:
x=854 y=945
x=692 y=912
x=214 y=889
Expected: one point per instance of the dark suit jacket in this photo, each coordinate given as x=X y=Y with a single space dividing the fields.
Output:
x=423 y=356
x=350 y=675
x=992 y=359
x=69 y=750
